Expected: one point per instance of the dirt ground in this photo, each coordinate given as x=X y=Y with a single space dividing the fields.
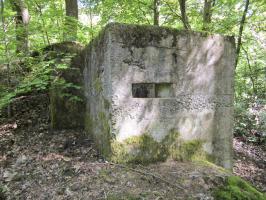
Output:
x=39 y=163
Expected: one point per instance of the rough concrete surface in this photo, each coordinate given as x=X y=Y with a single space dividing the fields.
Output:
x=146 y=80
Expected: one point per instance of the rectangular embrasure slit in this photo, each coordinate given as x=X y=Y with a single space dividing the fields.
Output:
x=143 y=90
x=152 y=90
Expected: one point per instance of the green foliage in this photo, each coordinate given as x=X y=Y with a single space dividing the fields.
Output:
x=237 y=189
x=62 y=87
x=250 y=120
x=41 y=73
x=37 y=80
x=2 y=193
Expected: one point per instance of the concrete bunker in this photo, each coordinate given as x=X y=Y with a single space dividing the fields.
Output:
x=155 y=93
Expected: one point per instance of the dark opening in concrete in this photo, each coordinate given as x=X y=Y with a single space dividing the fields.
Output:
x=152 y=90
x=143 y=90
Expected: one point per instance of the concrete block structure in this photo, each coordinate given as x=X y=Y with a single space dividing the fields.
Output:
x=154 y=93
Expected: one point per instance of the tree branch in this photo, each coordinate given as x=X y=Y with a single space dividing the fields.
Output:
x=184 y=18
x=172 y=10
x=241 y=28
x=207 y=13
x=149 y=174
x=250 y=69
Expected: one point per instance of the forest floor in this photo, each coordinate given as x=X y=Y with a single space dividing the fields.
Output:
x=39 y=163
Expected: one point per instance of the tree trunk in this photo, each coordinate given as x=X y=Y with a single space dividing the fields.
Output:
x=184 y=18
x=241 y=27
x=45 y=33
x=71 y=24
x=156 y=12
x=207 y=13
x=22 y=20
x=252 y=79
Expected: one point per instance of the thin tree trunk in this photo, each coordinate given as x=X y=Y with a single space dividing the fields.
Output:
x=207 y=13
x=252 y=79
x=6 y=53
x=173 y=11
x=22 y=20
x=61 y=33
x=140 y=3
x=91 y=22
x=39 y=8
x=241 y=28
x=184 y=18
x=71 y=20
x=156 y=12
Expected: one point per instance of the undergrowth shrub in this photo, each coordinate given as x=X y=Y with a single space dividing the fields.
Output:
x=40 y=73
x=250 y=120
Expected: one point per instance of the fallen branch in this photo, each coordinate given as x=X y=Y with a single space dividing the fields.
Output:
x=150 y=174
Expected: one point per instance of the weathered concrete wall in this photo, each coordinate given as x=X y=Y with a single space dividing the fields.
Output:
x=98 y=92
x=154 y=93
x=67 y=102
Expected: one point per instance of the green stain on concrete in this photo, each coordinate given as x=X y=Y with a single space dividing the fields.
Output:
x=100 y=134
x=107 y=104
x=144 y=149
x=88 y=124
x=104 y=137
x=97 y=84
x=190 y=150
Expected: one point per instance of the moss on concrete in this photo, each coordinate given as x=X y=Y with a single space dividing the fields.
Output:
x=237 y=189
x=104 y=137
x=144 y=149
x=107 y=104
x=138 y=149
x=88 y=121
x=183 y=150
x=147 y=149
x=141 y=36
x=190 y=150
x=98 y=85
x=172 y=138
